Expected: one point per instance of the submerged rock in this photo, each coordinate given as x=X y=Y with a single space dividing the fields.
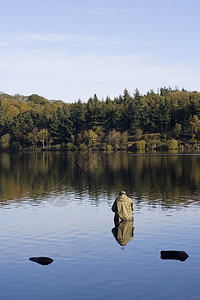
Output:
x=42 y=260
x=178 y=255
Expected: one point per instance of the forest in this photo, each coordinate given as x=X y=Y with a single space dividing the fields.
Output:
x=162 y=120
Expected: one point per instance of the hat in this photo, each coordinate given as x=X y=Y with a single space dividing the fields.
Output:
x=122 y=193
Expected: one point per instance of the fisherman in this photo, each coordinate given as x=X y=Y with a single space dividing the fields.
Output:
x=123 y=208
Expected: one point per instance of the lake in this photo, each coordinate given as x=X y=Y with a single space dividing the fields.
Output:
x=58 y=205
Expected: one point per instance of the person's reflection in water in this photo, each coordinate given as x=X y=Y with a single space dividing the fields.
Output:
x=123 y=232
x=123 y=208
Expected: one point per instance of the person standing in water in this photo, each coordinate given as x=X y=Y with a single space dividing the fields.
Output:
x=123 y=208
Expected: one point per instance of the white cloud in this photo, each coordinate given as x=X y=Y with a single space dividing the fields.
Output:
x=69 y=41
x=74 y=10
x=107 y=11
x=56 y=75
x=167 y=1
x=33 y=37
x=38 y=12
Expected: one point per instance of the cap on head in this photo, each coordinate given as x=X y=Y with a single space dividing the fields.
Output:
x=122 y=193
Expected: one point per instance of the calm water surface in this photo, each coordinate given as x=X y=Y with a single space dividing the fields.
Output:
x=58 y=205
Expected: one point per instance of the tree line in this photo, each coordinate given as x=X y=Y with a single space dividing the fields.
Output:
x=167 y=119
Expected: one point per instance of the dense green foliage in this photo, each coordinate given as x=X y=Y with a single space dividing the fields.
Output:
x=155 y=120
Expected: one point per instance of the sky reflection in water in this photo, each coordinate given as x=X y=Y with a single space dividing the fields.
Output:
x=71 y=222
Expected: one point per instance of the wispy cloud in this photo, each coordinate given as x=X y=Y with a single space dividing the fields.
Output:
x=39 y=12
x=58 y=75
x=91 y=11
x=167 y=1
x=44 y=37
x=107 y=11
x=70 y=40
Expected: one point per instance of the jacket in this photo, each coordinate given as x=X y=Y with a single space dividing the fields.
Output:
x=123 y=208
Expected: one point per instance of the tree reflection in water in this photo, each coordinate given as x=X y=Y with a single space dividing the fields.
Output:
x=166 y=180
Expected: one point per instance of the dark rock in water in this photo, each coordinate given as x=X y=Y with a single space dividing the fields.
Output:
x=178 y=255
x=42 y=260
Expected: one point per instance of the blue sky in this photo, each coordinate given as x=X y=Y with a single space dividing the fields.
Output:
x=71 y=49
